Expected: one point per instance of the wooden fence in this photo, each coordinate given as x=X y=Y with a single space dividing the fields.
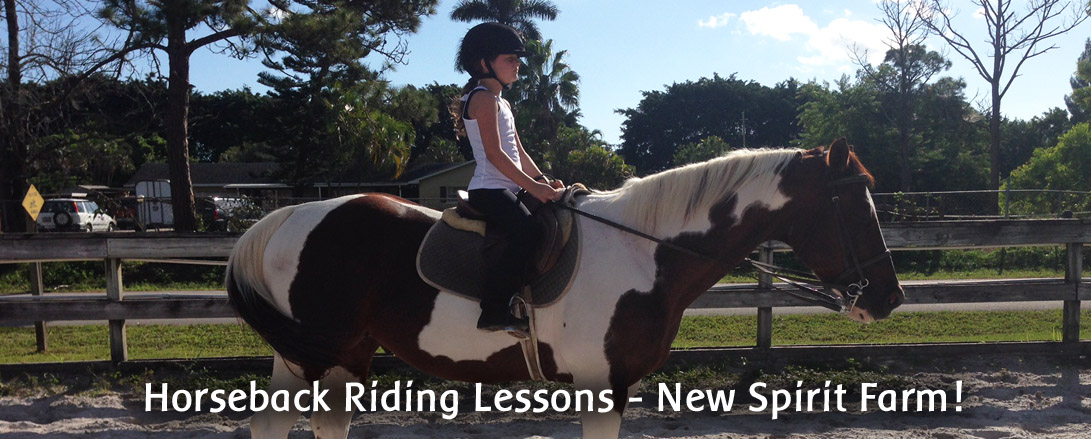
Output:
x=113 y=248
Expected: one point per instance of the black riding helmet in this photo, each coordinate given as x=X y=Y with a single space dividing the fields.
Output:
x=487 y=41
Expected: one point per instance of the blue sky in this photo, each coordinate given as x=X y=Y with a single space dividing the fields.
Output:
x=621 y=48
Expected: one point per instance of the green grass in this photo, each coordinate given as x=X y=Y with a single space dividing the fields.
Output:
x=90 y=276
x=93 y=384
x=136 y=287
x=981 y=273
x=83 y=343
x=909 y=327
x=12 y=283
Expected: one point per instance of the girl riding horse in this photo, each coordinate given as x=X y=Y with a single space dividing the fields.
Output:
x=327 y=283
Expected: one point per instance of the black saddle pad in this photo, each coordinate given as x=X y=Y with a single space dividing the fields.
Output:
x=452 y=260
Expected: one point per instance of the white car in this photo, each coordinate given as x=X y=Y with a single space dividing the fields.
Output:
x=74 y=214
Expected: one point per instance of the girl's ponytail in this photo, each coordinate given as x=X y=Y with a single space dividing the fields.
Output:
x=457 y=105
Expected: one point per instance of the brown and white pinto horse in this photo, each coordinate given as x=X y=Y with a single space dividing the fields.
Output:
x=327 y=283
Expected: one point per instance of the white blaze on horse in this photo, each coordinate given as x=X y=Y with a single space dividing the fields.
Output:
x=327 y=283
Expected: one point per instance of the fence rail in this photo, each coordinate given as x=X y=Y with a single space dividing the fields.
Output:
x=113 y=248
x=982 y=204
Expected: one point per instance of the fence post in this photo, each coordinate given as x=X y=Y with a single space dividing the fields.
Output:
x=765 y=313
x=1007 y=199
x=36 y=289
x=1070 y=329
x=119 y=349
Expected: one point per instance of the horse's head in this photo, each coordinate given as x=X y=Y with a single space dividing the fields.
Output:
x=840 y=238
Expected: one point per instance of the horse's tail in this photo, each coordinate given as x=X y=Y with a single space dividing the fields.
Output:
x=252 y=300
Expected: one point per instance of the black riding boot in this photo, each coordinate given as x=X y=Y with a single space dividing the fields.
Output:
x=496 y=319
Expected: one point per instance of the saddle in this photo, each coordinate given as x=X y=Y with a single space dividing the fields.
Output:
x=451 y=257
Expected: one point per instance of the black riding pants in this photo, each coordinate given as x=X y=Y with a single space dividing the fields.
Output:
x=513 y=239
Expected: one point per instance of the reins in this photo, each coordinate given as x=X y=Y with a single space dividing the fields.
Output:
x=636 y=232
x=811 y=289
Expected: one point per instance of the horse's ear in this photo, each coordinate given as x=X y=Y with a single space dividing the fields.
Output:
x=838 y=157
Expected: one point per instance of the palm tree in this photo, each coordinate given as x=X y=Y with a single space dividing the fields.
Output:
x=519 y=14
x=548 y=92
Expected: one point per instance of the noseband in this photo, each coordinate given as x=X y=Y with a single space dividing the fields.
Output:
x=815 y=291
x=811 y=289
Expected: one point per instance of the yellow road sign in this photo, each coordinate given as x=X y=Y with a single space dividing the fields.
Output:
x=33 y=202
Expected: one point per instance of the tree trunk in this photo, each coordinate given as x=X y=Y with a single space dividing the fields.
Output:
x=177 y=124
x=13 y=150
x=994 y=152
x=905 y=115
x=993 y=201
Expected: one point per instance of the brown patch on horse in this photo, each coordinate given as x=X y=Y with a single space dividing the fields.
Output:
x=829 y=259
x=646 y=322
x=360 y=288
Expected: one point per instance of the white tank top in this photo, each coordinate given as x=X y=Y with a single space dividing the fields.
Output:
x=486 y=176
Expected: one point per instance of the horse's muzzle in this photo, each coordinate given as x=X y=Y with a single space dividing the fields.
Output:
x=869 y=315
x=860 y=315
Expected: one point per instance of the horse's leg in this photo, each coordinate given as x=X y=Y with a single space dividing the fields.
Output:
x=273 y=424
x=604 y=425
x=601 y=425
x=334 y=424
x=607 y=425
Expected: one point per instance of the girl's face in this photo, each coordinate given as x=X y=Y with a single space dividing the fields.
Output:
x=506 y=67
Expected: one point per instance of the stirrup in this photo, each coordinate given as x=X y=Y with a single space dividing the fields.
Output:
x=528 y=342
x=517 y=332
x=518 y=308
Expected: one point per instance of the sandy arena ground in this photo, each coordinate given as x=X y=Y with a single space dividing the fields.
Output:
x=1003 y=398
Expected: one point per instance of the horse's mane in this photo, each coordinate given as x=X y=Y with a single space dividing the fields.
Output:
x=697 y=187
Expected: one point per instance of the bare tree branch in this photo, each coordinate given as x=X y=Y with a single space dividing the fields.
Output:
x=928 y=14
x=1014 y=37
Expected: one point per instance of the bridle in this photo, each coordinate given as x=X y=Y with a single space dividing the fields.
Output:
x=811 y=289
x=815 y=291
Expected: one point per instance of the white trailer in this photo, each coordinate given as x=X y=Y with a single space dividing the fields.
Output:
x=154 y=208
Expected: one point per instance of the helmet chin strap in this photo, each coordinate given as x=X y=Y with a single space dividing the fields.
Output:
x=490 y=73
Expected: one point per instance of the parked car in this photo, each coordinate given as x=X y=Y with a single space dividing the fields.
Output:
x=74 y=214
x=222 y=214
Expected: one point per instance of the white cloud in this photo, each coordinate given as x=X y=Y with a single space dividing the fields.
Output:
x=779 y=22
x=834 y=42
x=716 y=21
x=828 y=46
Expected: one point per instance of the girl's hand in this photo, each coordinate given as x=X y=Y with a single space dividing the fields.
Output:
x=557 y=184
x=544 y=192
